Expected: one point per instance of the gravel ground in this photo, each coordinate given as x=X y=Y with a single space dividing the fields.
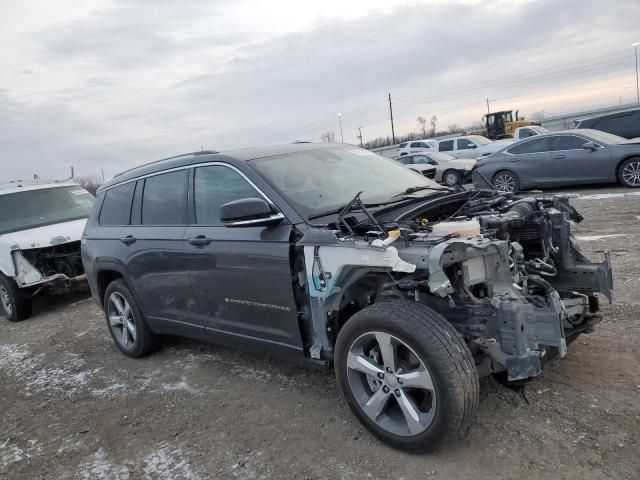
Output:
x=74 y=407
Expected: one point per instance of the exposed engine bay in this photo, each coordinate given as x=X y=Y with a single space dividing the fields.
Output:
x=56 y=262
x=505 y=271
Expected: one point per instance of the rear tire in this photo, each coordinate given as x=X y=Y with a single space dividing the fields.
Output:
x=506 y=182
x=14 y=305
x=431 y=366
x=126 y=324
x=629 y=172
x=451 y=178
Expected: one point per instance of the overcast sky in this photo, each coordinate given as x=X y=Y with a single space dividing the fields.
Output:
x=115 y=83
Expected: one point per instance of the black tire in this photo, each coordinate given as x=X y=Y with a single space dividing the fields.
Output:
x=503 y=174
x=15 y=306
x=448 y=178
x=628 y=172
x=145 y=341
x=443 y=352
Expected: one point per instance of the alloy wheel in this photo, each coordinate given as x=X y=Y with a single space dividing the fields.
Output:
x=631 y=173
x=5 y=300
x=504 y=183
x=451 y=179
x=122 y=321
x=391 y=384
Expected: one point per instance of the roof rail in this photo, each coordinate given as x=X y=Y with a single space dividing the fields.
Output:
x=201 y=152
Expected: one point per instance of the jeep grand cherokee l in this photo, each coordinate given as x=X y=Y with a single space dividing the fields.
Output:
x=343 y=258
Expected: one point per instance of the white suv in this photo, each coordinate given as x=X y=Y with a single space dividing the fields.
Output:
x=471 y=146
x=40 y=230
x=417 y=146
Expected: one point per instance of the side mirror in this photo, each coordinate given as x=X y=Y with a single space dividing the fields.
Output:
x=590 y=146
x=248 y=212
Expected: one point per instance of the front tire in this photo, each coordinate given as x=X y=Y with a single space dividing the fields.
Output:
x=407 y=375
x=629 y=172
x=451 y=178
x=506 y=182
x=14 y=305
x=127 y=326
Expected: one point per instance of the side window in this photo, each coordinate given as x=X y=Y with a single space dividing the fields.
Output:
x=618 y=125
x=445 y=146
x=116 y=206
x=164 y=201
x=405 y=160
x=216 y=185
x=536 y=145
x=567 y=142
x=415 y=145
x=420 y=159
x=402 y=145
x=464 y=144
x=527 y=132
x=491 y=120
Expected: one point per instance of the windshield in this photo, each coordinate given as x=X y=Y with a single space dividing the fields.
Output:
x=316 y=181
x=605 y=137
x=480 y=140
x=35 y=208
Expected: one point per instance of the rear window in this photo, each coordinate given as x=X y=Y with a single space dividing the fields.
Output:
x=45 y=206
x=164 y=201
x=116 y=206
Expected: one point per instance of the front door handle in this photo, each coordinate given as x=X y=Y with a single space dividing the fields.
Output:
x=128 y=240
x=200 y=240
x=558 y=157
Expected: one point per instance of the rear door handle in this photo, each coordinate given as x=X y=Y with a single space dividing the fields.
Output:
x=558 y=157
x=128 y=240
x=200 y=240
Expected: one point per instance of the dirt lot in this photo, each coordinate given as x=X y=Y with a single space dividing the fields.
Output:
x=74 y=407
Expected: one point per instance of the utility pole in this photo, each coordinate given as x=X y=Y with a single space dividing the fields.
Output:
x=488 y=109
x=635 y=47
x=393 y=132
x=360 y=136
x=340 y=122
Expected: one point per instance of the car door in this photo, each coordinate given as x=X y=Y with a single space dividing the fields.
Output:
x=241 y=277
x=155 y=258
x=574 y=163
x=531 y=161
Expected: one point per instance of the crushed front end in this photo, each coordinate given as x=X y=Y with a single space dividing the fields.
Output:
x=504 y=271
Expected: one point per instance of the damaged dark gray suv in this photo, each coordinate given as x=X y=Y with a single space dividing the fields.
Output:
x=343 y=258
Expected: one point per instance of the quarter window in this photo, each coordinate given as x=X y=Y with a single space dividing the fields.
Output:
x=116 y=206
x=164 y=201
x=214 y=186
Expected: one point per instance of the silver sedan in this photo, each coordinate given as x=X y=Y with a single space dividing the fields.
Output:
x=571 y=157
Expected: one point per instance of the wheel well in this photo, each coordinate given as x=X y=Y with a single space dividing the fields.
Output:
x=105 y=277
x=628 y=157
x=504 y=170
x=358 y=295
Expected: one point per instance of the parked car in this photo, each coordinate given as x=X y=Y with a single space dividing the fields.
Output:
x=624 y=124
x=525 y=132
x=447 y=169
x=423 y=169
x=571 y=157
x=407 y=148
x=333 y=255
x=40 y=229
x=470 y=146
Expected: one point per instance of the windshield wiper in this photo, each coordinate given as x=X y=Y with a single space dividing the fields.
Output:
x=418 y=188
x=354 y=204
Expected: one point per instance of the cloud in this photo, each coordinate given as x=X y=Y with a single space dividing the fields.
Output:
x=136 y=34
x=140 y=80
